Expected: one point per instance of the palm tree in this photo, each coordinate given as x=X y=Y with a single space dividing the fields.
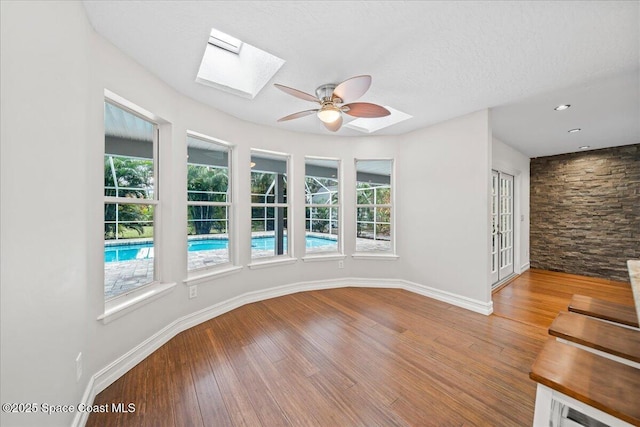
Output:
x=132 y=178
x=207 y=184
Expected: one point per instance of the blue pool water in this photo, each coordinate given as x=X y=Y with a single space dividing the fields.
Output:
x=128 y=252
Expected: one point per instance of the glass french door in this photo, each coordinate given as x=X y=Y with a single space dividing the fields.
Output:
x=501 y=226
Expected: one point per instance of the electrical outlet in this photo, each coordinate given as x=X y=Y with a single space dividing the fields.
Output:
x=340 y=264
x=193 y=291
x=79 y=367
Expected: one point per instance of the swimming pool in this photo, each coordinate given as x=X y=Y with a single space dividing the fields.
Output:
x=128 y=252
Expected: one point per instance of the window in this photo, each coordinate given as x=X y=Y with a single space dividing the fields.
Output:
x=130 y=200
x=208 y=203
x=269 y=204
x=321 y=187
x=374 y=206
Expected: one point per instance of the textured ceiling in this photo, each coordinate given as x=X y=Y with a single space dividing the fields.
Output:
x=432 y=60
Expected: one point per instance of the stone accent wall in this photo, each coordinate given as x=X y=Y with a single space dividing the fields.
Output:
x=585 y=212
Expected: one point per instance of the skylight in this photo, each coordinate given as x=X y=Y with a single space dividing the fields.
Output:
x=373 y=125
x=225 y=41
x=233 y=66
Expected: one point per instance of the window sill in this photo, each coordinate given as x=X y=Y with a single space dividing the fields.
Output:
x=375 y=256
x=209 y=275
x=127 y=303
x=272 y=263
x=329 y=257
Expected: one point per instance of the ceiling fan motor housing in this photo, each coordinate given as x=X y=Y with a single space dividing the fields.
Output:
x=325 y=92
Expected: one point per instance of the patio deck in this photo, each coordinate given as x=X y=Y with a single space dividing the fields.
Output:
x=124 y=276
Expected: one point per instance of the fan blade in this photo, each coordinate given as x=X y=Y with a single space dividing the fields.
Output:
x=352 y=88
x=334 y=126
x=297 y=93
x=297 y=115
x=365 y=109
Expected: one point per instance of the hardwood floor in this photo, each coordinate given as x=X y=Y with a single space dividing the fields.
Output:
x=537 y=296
x=353 y=356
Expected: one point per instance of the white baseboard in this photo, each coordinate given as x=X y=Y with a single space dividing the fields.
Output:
x=525 y=267
x=87 y=398
x=471 y=304
x=110 y=373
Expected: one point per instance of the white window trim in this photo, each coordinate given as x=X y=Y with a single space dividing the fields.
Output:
x=222 y=269
x=129 y=301
x=287 y=258
x=323 y=256
x=272 y=262
x=155 y=201
x=327 y=256
x=133 y=108
x=372 y=254
x=211 y=274
x=382 y=256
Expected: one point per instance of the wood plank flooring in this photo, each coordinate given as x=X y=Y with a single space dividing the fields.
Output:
x=353 y=357
x=537 y=296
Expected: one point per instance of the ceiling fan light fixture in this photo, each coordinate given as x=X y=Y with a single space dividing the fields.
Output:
x=329 y=113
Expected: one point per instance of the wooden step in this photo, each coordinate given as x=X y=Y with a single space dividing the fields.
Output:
x=606 y=310
x=602 y=383
x=607 y=337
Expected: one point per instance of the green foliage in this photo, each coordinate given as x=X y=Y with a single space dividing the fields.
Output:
x=318 y=219
x=261 y=183
x=131 y=218
x=147 y=231
x=366 y=194
x=374 y=196
x=133 y=179
x=207 y=184
x=321 y=191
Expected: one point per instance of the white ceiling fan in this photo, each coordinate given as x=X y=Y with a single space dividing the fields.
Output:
x=332 y=98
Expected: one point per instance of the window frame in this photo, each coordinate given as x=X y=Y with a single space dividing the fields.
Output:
x=289 y=254
x=339 y=216
x=391 y=253
x=154 y=201
x=228 y=204
x=133 y=299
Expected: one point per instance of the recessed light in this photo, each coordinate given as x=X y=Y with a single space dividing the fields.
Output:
x=584 y=147
x=574 y=130
x=562 y=107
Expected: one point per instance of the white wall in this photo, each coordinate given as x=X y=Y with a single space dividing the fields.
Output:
x=443 y=231
x=52 y=206
x=509 y=160
x=44 y=287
